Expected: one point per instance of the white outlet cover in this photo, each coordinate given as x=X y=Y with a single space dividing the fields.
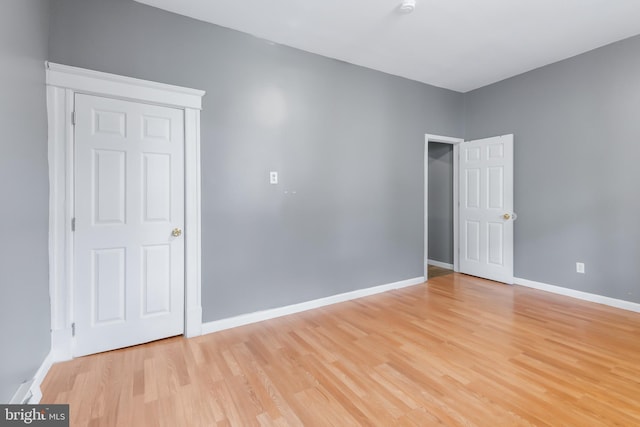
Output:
x=580 y=267
x=273 y=177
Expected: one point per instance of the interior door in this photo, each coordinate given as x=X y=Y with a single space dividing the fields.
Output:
x=486 y=208
x=129 y=214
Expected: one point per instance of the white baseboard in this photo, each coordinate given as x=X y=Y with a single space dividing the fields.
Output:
x=245 y=319
x=193 y=323
x=439 y=264
x=39 y=377
x=29 y=391
x=600 y=299
x=61 y=345
x=23 y=394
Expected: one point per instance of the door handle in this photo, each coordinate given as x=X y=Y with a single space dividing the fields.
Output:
x=506 y=216
x=176 y=232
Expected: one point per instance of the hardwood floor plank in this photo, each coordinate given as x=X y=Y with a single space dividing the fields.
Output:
x=458 y=351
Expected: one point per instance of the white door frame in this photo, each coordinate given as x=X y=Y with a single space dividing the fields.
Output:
x=455 y=142
x=63 y=82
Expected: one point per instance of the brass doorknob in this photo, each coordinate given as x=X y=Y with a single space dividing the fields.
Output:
x=176 y=232
x=506 y=216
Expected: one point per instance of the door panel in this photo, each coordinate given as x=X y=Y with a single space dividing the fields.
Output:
x=108 y=187
x=472 y=190
x=129 y=196
x=108 y=285
x=156 y=280
x=495 y=186
x=156 y=193
x=472 y=239
x=486 y=187
x=495 y=239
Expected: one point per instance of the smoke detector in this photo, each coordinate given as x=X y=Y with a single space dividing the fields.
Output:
x=407 y=6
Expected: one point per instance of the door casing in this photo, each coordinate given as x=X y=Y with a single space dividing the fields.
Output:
x=63 y=82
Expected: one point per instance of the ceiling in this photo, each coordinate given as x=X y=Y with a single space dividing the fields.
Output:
x=454 y=44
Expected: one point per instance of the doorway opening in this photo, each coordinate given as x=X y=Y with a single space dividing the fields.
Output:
x=440 y=191
x=440 y=204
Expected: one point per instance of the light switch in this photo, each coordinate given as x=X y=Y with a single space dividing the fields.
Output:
x=273 y=177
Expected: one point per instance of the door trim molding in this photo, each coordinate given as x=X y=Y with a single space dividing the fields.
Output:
x=128 y=88
x=63 y=82
x=455 y=142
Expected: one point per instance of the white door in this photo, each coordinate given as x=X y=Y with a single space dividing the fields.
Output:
x=486 y=208
x=129 y=214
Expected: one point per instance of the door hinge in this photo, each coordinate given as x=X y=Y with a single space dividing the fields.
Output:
x=73 y=224
x=73 y=118
x=73 y=329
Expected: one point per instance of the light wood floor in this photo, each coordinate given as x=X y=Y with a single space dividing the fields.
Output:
x=433 y=271
x=458 y=351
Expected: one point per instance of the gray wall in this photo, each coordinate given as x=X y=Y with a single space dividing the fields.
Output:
x=349 y=141
x=24 y=288
x=577 y=142
x=441 y=202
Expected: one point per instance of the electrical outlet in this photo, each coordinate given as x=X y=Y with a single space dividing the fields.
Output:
x=580 y=267
x=273 y=177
